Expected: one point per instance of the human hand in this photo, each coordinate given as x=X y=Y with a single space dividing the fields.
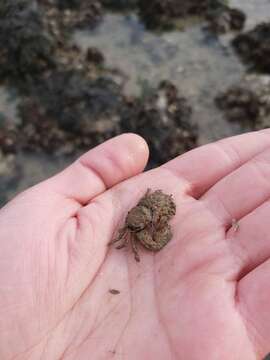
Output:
x=205 y=295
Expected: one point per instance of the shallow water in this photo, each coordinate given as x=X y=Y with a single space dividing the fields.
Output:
x=199 y=64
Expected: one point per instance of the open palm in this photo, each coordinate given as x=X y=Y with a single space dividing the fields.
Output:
x=206 y=295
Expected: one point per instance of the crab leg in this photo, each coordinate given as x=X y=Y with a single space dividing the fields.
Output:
x=135 y=249
x=121 y=234
x=125 y=242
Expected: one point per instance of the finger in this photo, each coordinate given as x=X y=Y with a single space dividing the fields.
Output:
x=101 y=168
x=251 y=241
x=242 y=191
x=252 y=296
x=205 y=166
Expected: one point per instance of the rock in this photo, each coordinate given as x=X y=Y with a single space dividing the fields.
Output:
x=69 y=112
x=254 y=47
x=225 y=20
x=163 y=118
x=68 y=100
x=162 y=14
x=237 y=19
x=67 y=107
x=26 y=48
x=120 y=5
x=34 y=41
x=95 y=56
x=248 y=102
x=70 y=14
x=9 y=174
x=8 y=136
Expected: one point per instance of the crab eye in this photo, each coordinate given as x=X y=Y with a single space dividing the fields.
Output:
x=138 y=218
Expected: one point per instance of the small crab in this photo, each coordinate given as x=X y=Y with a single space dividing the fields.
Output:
x=147 y=223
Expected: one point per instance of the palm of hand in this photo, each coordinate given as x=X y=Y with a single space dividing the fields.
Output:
x=204 y=295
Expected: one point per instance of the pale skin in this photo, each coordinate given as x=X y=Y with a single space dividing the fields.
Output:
x=205 y=295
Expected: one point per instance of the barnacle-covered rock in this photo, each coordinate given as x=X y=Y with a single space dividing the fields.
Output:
x=222 y=21
x=254 y=47
x=26 y=48
x=163 y=118
x=163 y=14
x=247 y=102
x=68 y=111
